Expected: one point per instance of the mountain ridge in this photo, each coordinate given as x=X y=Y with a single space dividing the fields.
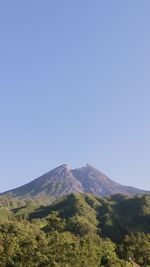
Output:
x=63 y=180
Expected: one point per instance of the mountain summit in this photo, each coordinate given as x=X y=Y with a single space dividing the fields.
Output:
x=63 y=180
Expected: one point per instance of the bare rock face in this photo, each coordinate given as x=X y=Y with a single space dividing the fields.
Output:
x=63 y=181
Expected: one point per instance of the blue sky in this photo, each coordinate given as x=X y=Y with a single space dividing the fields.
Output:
x=74 y=88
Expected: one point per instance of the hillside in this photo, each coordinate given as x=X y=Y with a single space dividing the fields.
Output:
x=112 y=217
x=64 y=180
x=77 y=230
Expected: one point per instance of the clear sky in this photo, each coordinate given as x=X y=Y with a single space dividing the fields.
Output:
x=75 y=88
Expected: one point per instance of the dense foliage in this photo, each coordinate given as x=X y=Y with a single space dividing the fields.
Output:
x=78 y=230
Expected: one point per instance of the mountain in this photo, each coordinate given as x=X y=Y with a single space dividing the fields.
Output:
x=63 y=180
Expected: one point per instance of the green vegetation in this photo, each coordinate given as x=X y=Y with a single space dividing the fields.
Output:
x=78 y=230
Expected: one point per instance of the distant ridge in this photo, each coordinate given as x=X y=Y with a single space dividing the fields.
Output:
x=63 y=180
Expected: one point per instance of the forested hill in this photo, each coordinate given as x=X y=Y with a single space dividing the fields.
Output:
x=77 y=230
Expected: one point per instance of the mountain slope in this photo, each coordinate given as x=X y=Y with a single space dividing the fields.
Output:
x=95 y=182
x=112 y=217
x=77 y=230
x=63 y=181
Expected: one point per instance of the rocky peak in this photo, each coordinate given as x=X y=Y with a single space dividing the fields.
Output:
x=63 y=180
x=64 y=168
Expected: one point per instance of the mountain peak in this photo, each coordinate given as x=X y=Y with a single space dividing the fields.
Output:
x=63 y=167
x=63 y=180
x=90 y=167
